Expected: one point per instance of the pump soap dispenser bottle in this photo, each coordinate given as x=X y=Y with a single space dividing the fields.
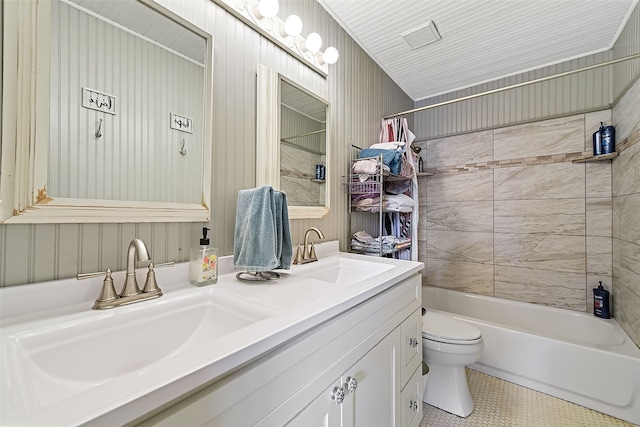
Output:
x=203 y=268
x=601 y=302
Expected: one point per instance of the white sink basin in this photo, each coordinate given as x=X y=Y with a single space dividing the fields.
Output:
x=72 y=354
x=344 y=271
x=62 y=363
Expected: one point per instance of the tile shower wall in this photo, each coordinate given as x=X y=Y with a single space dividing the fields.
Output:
x=626 y=214
x=509 y=215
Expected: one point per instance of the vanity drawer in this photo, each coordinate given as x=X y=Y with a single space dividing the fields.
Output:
x=411 y=348
x=411 y=400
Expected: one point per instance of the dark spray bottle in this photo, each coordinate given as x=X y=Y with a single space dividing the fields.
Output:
x=601 y=302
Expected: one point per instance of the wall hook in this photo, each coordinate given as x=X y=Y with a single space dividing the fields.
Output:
x=98 y=133
x=183 y=150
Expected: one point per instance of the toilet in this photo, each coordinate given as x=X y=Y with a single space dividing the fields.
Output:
x=448 y=345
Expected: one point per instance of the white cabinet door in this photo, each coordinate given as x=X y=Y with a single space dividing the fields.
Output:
x=372 y=397
x=323 y=411
x=373 y=401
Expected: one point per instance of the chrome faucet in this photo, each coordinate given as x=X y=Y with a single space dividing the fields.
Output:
x=307 y=253
x=131 y=293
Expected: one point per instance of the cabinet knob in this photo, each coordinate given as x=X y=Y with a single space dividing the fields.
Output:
x=351 y=384
x=338 y=395
x=413 y=342
x=413 y=405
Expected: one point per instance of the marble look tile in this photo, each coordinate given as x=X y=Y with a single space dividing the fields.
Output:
x=460 y=246
x=592 y=124
x=555 y=136
x=300 y=191
x=460 y=149
x=599 y=255
x=545 y=181
x=626 y=114
x=626 y=265
x=598 y=179
x=540 y=251
x=464 y=186
x=551 y=288
x=460 y=276
x=552 y=216
x=459 y=216
x=626 y=171
x=303 y=162
x=626 y=217
x=598 y=215
x=626 y=311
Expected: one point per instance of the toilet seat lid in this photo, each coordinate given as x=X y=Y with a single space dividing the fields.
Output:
x=441 y=327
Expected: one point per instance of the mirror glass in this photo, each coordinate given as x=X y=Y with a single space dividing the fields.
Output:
x=127 y=123
x=303 y=146
x=292 y=145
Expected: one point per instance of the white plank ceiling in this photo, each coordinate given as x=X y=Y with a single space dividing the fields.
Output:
x=482 y=40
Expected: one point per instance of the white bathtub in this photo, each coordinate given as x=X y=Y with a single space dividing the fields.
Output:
x=574 y=356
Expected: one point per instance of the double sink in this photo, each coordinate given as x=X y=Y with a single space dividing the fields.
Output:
x=75 y=366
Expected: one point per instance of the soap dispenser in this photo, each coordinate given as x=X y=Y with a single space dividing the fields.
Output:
x=203 y=266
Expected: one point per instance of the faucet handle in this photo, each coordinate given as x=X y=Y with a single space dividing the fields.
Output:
x=312 y=252
x=108 y=293
x=299 y=255
x=151 y=285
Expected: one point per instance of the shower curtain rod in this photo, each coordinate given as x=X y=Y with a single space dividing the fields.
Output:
x=502 y=89
x=304 y=134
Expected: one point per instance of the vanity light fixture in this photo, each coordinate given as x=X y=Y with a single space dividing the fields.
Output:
x=266 y=9
x=313 y=43
x=262 y=15
x=330 y=56
x=292 y=26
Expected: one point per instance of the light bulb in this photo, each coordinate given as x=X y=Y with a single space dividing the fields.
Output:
x=314 y=42
x=292 y=26
x=268 y=8
x=330 y=55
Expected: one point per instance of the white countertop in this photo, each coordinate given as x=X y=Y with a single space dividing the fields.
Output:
x=296 y=303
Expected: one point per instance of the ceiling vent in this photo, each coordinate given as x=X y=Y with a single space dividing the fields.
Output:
x=422 y=35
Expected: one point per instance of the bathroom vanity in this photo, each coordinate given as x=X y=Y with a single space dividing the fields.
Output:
x=337 y=340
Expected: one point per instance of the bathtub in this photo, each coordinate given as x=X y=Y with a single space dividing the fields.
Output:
x=571 y=355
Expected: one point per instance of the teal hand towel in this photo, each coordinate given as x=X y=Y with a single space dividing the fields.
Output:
x=262 y=238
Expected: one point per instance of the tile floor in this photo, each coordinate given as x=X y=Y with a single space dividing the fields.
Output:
x=499 y=403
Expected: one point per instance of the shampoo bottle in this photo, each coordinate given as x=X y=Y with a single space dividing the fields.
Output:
x=608 y=139
x=597 y=140
x=601 y=302
x=203 y=268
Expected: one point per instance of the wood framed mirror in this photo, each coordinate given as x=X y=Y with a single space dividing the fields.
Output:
x=106 y=114
x=292 y=143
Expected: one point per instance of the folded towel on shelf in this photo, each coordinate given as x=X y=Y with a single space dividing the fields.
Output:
x=363 y=241
x=262 y=238
x=398 y=203
x=366 y=167
x=391 y=158
x=371 y=204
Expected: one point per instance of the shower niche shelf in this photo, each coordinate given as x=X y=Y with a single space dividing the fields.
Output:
x=599 y=158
